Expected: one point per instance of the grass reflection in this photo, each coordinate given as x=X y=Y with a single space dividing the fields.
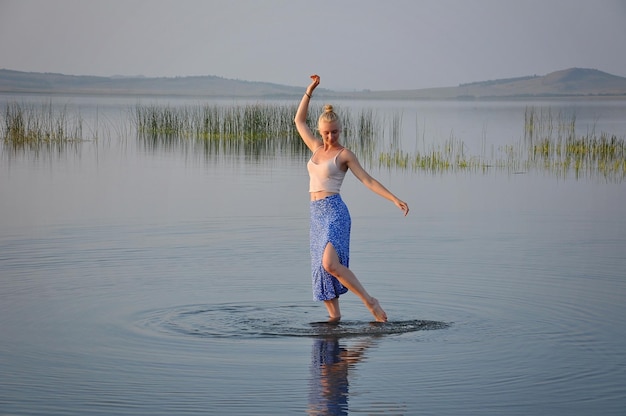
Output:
x=37 y=129
x=264 y=131
x=549 y=144
x=252 y=131
x=256 y=131
x=234 y=130
x=552 y=143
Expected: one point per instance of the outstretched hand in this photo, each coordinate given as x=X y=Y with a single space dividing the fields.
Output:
x=314 y=83
x=403 y=206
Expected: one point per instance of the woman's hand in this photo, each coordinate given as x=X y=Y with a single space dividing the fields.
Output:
x=314 y=84
x=403 y=206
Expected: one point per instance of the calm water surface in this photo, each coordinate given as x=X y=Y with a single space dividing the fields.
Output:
x=152 y=281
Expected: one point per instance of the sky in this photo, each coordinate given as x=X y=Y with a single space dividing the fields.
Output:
x=351 y=44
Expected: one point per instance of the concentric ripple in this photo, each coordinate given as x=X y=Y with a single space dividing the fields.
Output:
x=255 y=321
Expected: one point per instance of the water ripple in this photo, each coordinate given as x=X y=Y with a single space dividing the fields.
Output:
x=257 y=321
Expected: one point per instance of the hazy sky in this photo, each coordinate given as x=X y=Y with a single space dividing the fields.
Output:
x=352 y=44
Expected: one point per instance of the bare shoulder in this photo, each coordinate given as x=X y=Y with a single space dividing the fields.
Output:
x=351 y=161
x=347 y=156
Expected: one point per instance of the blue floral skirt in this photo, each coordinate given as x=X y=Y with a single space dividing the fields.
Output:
x=330 y=223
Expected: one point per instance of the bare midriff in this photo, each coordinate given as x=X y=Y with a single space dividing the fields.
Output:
x=315 y=196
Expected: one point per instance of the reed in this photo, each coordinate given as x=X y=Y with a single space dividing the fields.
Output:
x=214 y=122
x=28 y=126
x=249 y=129
x=262 y=130
x=550 y=143
x=257 y=130
x=553 y=144
x=449 y=156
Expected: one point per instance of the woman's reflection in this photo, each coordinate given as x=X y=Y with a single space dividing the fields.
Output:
x=331 y=362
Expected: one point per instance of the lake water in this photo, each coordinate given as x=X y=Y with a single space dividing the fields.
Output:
x=139 y=280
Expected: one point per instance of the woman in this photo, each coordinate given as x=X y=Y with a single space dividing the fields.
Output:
x=330 y=219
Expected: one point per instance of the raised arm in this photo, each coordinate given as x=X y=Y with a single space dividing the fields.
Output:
x=303 y=129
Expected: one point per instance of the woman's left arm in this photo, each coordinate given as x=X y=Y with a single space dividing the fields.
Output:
x=353 y=164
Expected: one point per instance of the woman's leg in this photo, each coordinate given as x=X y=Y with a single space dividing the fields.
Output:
x=333 y=309
x=331 y=263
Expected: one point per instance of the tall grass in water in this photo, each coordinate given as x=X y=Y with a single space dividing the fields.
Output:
x=251 y=130
x=267 y=130
x=260 y=130
x=554 y=145
x=34 y=128
x=450 y=156
x=550 y=143
x=224 y=128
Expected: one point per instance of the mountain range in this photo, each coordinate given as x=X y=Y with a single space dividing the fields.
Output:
x=567 y=83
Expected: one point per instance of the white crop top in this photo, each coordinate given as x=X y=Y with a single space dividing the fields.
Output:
x=326 y=175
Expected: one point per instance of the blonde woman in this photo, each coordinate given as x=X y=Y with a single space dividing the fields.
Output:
x=330 y=218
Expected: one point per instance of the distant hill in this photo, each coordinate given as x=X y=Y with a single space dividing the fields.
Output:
x=34 y=82
x=574 y=82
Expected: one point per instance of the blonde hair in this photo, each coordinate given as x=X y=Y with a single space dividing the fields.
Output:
x=329 y=115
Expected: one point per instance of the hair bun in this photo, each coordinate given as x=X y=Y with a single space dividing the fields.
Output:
x=329 y=115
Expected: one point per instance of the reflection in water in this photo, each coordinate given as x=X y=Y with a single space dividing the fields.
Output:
x=263 y=131
x=41 y=131
x=252 y=132
x=331 y=363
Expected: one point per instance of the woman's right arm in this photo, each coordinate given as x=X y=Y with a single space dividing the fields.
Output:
x=303 y=129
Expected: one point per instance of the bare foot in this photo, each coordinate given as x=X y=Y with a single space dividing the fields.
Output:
x=377 y=310
x=334 y=313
